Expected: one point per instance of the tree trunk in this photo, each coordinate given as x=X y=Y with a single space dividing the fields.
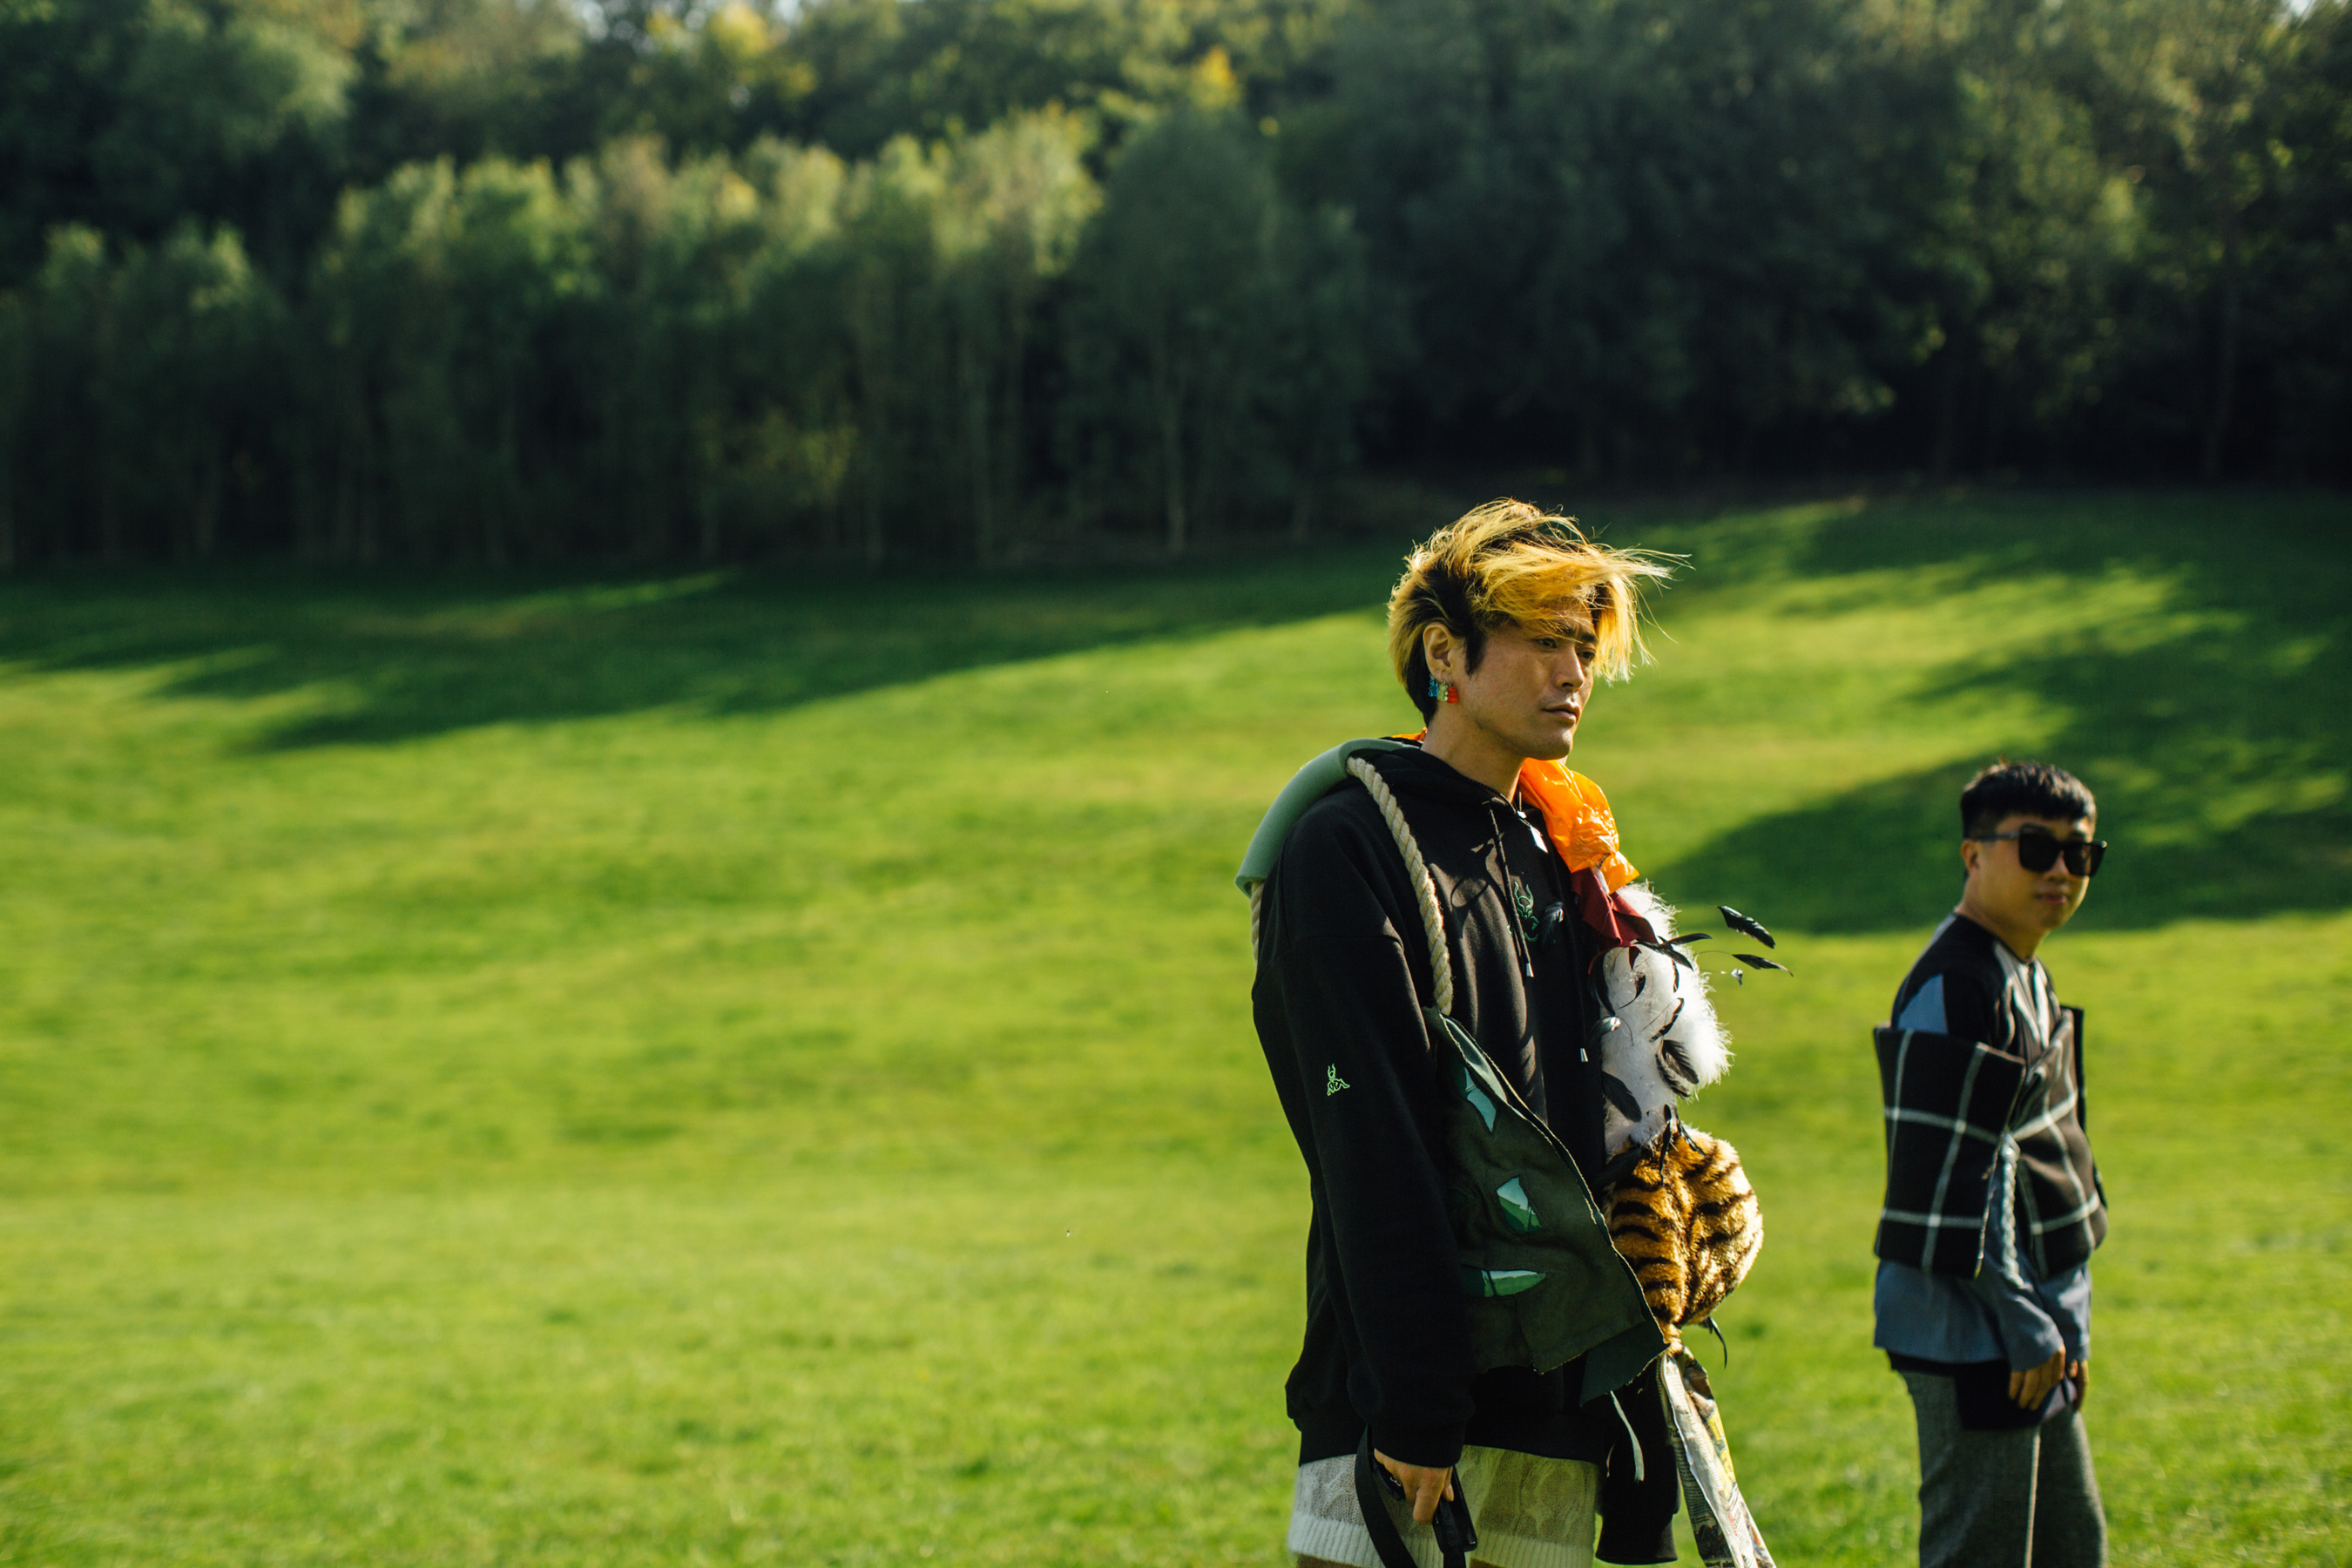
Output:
x=353 y=474
x=1008 y=463
x=706 y=506
x=342 y=527
x=1168 y=403
x=106 y=498
x=973 y=375
x=868 y=324
x=368 y=495
x=495 y=516
x=650 y=495
x=2225 y=354
x=180 y=520
x=1172 y=450
x=1946 y=449
x=709 y=460
x=614 y=461
x=878 y=540
x=109 y=509
x=208 y=505
x=873 y=460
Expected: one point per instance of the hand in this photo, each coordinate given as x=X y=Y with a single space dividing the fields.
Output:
x=2081 y=1372
x=2031 y=1388
x=1423 y=1487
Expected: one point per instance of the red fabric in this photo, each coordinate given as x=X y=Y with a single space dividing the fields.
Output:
x=1610 y=916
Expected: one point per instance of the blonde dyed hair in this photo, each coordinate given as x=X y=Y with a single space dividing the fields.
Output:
x=1509 y=565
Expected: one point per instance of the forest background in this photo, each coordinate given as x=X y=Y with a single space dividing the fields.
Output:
x=1004 y=280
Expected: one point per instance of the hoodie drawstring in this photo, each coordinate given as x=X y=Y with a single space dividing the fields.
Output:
x=1640 y=1475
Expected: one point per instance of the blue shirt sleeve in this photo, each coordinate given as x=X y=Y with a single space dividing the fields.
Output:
x=1925 y=1010
x=1955 y=1002
x=2029 y=1335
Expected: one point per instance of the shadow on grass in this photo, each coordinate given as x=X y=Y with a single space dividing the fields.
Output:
x=391 y=657
x=2217 y=735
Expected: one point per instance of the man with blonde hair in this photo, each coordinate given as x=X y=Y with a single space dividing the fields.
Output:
x=1499 y=629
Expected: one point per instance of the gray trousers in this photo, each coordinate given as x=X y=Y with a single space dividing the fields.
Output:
x=2025 y=1498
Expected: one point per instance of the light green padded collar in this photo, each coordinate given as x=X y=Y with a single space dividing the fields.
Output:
x=1308 y=785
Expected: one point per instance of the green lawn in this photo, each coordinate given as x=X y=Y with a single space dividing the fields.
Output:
x=700 y=1068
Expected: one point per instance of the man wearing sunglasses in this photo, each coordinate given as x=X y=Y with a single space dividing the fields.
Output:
x=1993 y=1203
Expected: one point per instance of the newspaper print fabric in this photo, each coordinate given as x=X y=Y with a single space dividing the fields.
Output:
x=1725 y=1532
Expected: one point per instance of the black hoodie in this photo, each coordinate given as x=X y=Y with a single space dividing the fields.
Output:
x=1342 y=964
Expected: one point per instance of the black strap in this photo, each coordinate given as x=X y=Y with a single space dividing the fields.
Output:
x=2082 y=1092
x=1457 y=1537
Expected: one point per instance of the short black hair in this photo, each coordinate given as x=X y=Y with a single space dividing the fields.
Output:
x=2021 y=789
x=1451 y=596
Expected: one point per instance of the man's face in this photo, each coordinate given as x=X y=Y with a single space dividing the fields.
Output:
x=2027 y=900
x=1528 y=690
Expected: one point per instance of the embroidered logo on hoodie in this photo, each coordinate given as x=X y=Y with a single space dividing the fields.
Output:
x=1332 y=1082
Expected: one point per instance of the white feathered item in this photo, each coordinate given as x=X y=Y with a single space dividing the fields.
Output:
x=1667 y=1044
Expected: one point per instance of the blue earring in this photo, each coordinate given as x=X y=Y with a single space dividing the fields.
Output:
x=1442 y=691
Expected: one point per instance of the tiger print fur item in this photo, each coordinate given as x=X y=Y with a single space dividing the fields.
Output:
x=1686 y=1219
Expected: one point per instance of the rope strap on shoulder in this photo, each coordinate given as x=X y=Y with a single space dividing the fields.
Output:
x=1416 y=870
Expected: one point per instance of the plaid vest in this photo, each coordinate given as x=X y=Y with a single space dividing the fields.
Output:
x=1965 y=1121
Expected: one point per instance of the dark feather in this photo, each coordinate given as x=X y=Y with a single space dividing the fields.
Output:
x=1762 y=963
x=1745 y=926
x=1681 y=1076
x=1619 y=1166
x=1689 y=936
x=1621 y=1096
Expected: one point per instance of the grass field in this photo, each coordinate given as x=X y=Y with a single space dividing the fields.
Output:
x=704 y=1069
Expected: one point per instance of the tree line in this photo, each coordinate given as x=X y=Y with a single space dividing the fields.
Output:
x=920 y=281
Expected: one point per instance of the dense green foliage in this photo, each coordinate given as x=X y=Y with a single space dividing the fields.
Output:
x=659 y=1068
x=986 y=280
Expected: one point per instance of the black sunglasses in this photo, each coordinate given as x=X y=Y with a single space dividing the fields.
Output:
x=2038 y=850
